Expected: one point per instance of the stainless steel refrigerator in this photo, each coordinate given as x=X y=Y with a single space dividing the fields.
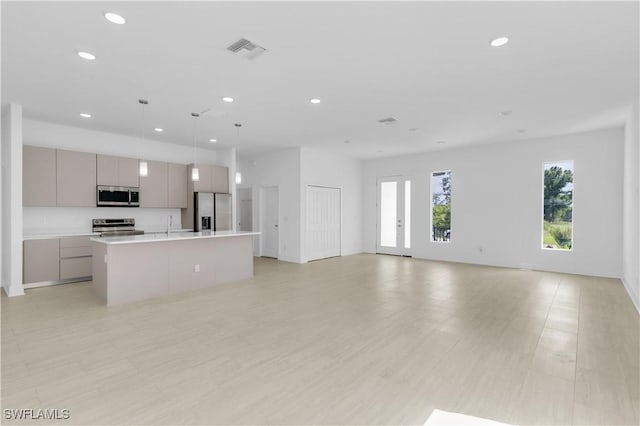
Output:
x=212 y=212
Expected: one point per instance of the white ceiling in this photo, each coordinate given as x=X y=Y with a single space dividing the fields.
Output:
x=570 y=66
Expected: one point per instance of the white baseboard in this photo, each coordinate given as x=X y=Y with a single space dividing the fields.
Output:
x=12 y=291
x=635 y=298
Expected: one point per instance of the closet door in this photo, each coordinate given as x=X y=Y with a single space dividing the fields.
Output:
x=323 y=222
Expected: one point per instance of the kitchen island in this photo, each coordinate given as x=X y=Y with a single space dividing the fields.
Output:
x=140 y=267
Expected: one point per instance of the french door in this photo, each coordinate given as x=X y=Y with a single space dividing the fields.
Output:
x=394 y=216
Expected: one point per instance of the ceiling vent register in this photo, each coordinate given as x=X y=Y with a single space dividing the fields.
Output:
x=250 y=49
x=387 y=121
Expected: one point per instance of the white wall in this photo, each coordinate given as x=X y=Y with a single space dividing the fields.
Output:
x=12 y=200
x=43 y=220
x=39 y=133
x=631 y=225
x=326 y=169
x=497 y=202
x=282 y=169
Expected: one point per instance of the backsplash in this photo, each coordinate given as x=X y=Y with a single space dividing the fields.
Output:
x=52 y=219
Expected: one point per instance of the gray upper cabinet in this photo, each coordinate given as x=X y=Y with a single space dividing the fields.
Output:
x=107 y=170
x=76 y=179
x=220 y=179
x=153 y=187
x=117 y=171
x=38 y=177
x=128 y=172
x=204 y=183
x=177 y=186
x=212 y=179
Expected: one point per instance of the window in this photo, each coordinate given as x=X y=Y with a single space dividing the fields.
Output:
x=441 y=206
x=407 y=214
x=557 y=217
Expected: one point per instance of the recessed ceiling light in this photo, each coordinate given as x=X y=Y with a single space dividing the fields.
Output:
x=88 y=56
x=441 y=142
x=115 y=18
x=158 y=129
x=227 y=99
x=213 y=140
x=500 y=41
x=314 y=100
x=85 y=115
x=506 y=112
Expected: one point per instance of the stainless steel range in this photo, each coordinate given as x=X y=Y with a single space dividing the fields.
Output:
x=115 y=227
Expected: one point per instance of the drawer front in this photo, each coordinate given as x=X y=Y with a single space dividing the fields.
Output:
x=75 y=251
x=76 y=268
x=75 y=242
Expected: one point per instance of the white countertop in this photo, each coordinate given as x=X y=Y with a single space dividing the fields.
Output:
x=49 y=235
x=173 y=236
x=39 y=234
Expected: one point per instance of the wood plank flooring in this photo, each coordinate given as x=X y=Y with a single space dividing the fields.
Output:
x=362 y=339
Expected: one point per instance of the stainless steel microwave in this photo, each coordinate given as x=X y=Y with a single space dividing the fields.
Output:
x=117 y=196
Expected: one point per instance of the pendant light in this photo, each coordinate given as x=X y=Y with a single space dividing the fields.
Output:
x=144 y=167
x=238 y=174
x=195 y=173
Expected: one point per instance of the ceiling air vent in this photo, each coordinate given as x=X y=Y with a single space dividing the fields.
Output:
x=250 y=49
x=388 y=121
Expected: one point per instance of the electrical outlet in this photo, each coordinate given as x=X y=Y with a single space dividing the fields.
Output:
x=196 y=267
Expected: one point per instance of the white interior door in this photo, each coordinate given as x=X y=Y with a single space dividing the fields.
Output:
x=270 y=223
x=394 y=216
x=323 y=222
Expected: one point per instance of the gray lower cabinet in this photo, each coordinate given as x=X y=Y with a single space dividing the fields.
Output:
x=57 y=259
x=77 y=267
x=75 y=258
x=41 y=261
x=38 y=176
x=76 y=179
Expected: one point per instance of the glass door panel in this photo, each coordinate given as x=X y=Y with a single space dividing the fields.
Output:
x=394 y=215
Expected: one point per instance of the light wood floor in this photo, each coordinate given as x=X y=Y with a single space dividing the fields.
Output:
x=362 y=339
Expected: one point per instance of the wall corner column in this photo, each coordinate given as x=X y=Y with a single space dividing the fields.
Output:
x=11 y=206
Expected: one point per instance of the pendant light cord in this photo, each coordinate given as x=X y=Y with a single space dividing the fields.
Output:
x=195 y=119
